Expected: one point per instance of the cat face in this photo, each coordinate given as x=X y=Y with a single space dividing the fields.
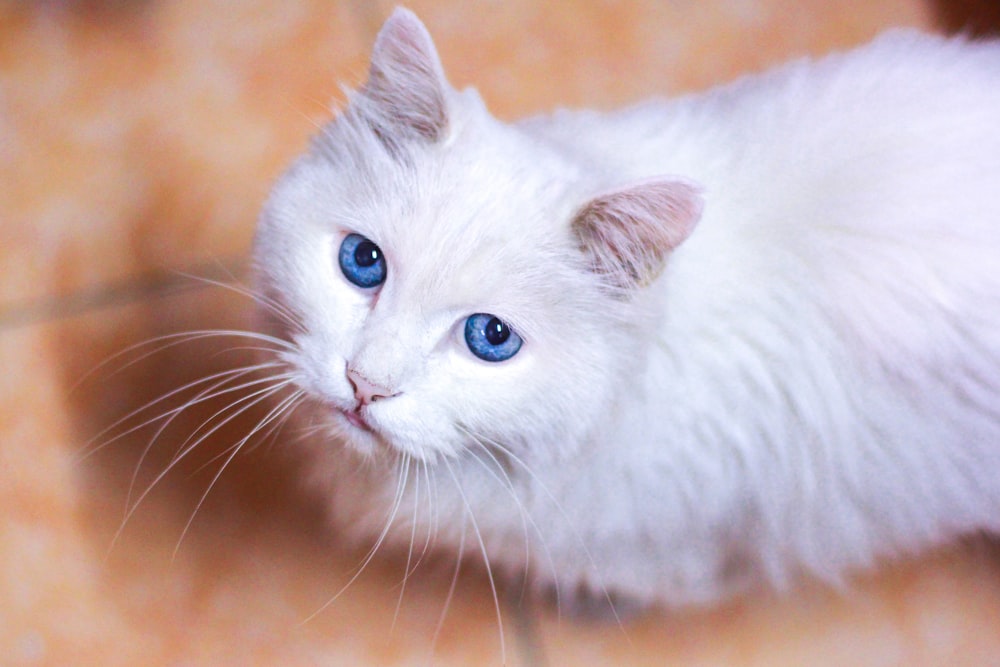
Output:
x=451 y=279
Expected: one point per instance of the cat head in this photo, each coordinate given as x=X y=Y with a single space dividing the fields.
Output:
x=452 y=279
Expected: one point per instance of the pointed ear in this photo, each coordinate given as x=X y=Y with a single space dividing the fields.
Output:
x=406 y=91
x=627 y=234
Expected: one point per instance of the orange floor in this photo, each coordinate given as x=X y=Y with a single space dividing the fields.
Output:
x=137 y=140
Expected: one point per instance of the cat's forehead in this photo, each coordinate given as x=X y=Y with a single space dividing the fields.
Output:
x=470 y=242
x=466 y=218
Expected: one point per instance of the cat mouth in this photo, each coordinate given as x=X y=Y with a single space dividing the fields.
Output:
x=364 y=433
x=355 y=419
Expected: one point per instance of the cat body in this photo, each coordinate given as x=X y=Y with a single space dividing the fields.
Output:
x=758 y=328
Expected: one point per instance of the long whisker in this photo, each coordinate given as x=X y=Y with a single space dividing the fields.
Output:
x=451 y=589
x=167 y=341
x=225 y=376
x=485 y=555
x=275 y=383
x=407 y=571
x=503 y=479
x=169 y=416
x=431 y=512
x=569 y=524
x=233 y=450
x=432 y=522
x=273 y=431
x=234 y=285
x=203 y=396
x=275 y=424
x=390 y=519
x=526 y=517
x=188 y=448
x=273 y=305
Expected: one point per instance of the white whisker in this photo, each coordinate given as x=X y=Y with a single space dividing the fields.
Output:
x=187 y=449
x=224 y=376
x=451 y=589
x=431 y=511
x=279 y=424
x=569 y=524
x=276 y=383
x=505 y=481
x=271 y=304
x=390 y=519
x=208 y=394
x=168 y=341
x=485 y=555
x=407 y=571
x=279 y=421
x=233 y=450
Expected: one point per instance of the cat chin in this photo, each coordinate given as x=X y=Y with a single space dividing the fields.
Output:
x=366 y=443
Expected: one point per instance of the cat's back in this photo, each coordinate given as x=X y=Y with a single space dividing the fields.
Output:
x=870 y=171
x=908 y=116
x=899 y=134
x=851 y=219
x=838 y=306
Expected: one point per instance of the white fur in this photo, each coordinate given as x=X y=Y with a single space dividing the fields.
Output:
x=812 y=383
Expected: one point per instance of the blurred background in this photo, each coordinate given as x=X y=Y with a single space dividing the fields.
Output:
x=138 y=139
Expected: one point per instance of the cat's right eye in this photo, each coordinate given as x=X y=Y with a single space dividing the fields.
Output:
x=362 y=261
x=490 y=338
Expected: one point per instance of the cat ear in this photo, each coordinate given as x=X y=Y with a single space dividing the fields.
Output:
x=406 y=91
x=627 y=234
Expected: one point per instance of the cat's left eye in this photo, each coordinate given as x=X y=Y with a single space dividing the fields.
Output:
x=490 y=338
x=362 y=261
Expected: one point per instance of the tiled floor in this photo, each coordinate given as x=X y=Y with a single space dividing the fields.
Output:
x=137 y=140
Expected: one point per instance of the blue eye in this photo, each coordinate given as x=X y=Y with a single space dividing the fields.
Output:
x=490 y=338
x=362 y=261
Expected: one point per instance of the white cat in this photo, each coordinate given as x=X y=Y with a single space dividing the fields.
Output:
x=662 y=354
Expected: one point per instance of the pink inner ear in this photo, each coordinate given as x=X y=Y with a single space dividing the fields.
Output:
x=405 y=82
x=627 y=233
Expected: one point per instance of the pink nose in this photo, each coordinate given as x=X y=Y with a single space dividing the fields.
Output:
x=365 y=390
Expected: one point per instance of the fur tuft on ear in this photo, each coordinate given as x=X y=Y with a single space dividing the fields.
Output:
x=626 y=234
x=406 y=91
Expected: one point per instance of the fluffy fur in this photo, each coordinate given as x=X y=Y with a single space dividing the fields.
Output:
x=761 y=324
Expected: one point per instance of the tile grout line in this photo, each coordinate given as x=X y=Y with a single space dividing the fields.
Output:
x=152 y=284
